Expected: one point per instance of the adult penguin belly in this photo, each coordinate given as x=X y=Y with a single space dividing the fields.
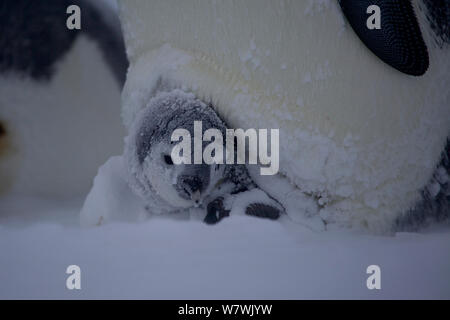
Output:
x=358 y=139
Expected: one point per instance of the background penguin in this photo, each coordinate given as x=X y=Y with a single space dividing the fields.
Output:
x=59 y=95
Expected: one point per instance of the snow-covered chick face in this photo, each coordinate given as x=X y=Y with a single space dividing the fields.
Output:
x=153 y=171
x=180 y=185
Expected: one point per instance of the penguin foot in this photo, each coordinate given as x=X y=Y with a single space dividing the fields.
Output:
x=215 y=211
x=262 y=210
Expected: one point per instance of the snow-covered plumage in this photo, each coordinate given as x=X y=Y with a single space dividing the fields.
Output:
x=358 y=139
x=149 y=141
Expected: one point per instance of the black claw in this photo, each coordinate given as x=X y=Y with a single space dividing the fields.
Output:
x=399 y=42
x=262 y=211
x=215 y=211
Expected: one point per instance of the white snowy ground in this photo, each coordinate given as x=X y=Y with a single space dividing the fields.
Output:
x=241 y=257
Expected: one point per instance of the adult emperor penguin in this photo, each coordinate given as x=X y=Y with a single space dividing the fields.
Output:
x=361 y=133
x=59 y=95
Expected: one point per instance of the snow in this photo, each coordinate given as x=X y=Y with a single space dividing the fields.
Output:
x=111 y=197
x=239 y=258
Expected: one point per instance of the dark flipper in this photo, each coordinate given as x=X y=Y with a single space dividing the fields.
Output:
x=262 y=210
x=215 y=211
x=399 y=42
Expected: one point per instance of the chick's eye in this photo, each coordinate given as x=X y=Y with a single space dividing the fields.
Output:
x=168 y=159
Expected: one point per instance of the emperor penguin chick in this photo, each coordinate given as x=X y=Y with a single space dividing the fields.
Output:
x=169 y=187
